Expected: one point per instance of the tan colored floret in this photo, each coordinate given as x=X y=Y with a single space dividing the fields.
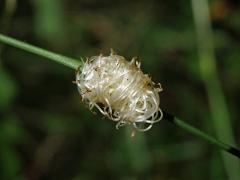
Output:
x=119 y=90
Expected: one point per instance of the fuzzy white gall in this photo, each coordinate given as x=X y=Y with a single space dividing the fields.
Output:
x=120 y=91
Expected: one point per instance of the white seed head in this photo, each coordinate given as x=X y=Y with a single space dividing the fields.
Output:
x=120 y=91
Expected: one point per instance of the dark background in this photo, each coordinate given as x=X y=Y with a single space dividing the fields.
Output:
x=46 y=132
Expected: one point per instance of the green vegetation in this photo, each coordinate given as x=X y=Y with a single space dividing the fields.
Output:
x=47 y=133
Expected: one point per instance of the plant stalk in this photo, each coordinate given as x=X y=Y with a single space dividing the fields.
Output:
x=187 y=127
x=74 y=64
x=70 y=62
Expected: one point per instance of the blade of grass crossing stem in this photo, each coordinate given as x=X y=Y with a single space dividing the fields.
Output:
x=218 y=107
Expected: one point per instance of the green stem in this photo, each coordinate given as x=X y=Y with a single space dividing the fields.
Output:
x=72 y=63
x=187 y=127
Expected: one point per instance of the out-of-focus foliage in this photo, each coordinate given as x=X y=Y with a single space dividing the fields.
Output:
x=46 y=132
x=7 y=89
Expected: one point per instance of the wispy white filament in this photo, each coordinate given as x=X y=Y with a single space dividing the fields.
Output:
x=120 y=91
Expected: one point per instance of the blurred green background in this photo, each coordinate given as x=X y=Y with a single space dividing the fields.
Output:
x=46 y=132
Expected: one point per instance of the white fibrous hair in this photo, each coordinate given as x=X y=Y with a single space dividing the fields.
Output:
x=119 y=90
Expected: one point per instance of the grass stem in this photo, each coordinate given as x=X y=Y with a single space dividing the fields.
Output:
x=74 y=64
x=187 y=127
x=70 y=62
